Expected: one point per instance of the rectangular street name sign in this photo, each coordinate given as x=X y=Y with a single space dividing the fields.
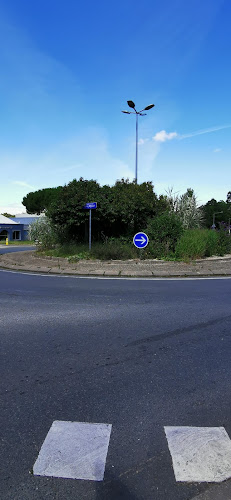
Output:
x=89 y=206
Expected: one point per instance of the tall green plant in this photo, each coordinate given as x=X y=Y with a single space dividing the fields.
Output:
x=186 y=208
x=199 y=243
x=164 y=231
x=44 y=233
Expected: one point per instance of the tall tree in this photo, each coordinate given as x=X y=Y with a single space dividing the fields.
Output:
x=39 y=201
x=121 y=209
x=218 y=211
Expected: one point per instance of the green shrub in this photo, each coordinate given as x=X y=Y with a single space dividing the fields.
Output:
x=110 y=249
x=163 y=231
x=70 y=250
x=224 y=241
x=44 y=233
x=114 y=249
x=212 y=242
x=199 y=243
x=193 y=244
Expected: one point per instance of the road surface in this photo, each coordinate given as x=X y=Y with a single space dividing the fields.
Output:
x=140 y=355
x=12 y=248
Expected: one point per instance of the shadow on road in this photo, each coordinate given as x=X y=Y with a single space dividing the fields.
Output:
x=113 y=489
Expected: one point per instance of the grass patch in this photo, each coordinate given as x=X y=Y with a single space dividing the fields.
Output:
x=197 y=243
x=19 y=242
x=114 y=250
x=110 y=250
x=72 y=251
x=193 y=244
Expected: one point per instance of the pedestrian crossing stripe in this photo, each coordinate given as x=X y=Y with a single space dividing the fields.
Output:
x=78 y=450
x=200 y=454
x=74 y=450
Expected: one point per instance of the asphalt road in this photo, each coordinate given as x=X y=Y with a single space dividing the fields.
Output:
x=137 y=354
x=11 y=248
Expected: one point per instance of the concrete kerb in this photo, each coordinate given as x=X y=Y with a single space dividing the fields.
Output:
x=28 y=261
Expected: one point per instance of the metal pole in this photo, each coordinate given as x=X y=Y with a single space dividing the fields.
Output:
x=89 y=229
x=136 y=146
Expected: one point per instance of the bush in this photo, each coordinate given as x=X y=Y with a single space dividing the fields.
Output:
x=44 y=233
x=163 y=232
x=113 y=249
x=211 y=243
x=224 y=240
x=193 y=244
x=199 y=243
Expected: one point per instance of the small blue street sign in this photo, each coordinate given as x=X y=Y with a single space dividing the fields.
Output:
x=140 y=240
x=90 y=206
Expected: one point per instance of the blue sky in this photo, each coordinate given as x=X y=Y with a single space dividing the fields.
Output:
x=67 y=70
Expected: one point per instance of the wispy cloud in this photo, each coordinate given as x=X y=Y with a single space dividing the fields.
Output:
x=142 y=141
x=163 y=136
x=217 y=150
x=70 y=168
x=23 y=184
x=204 y=131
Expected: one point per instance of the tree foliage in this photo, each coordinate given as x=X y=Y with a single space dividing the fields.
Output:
x=9 y=216
x=38 y=201
x=163 y=232
x=220 y=211
x=121 y=209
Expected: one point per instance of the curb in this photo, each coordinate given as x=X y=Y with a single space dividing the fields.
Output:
x=28 y=262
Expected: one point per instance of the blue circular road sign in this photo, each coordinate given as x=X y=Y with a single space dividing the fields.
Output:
x=140 y=240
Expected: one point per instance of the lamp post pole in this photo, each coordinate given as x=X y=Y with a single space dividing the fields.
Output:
x=136 y=147
x=214 y=214
x=131 y=104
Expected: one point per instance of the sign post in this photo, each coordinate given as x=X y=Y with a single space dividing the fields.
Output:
x=90 y=229
x=90 y=206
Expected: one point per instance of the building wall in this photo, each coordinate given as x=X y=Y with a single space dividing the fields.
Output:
x=10 y=228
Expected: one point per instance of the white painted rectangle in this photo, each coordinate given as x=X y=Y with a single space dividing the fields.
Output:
x=75 y=450
x=200 y=454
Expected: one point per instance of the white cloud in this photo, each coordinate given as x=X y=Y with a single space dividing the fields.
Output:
x=12 y=208
x=163 y=136
x=87 y=155
x=23 y=184
x=217 y=150
x=142 y=141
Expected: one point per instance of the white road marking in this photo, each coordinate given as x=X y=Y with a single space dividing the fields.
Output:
x=74 y=450
x=126 y=278
x=200 y=454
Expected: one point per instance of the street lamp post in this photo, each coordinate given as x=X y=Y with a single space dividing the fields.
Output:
x=131 y=104
x=214 y=214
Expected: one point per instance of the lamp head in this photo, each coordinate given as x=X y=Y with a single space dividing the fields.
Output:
x=131 y=104
x=150 y=106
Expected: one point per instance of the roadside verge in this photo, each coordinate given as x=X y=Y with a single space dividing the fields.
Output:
x=30 y=261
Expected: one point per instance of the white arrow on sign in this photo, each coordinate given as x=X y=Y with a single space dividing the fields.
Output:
x=142 y=239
